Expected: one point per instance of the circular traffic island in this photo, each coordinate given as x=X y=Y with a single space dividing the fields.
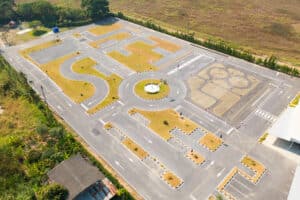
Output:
x=152 y=89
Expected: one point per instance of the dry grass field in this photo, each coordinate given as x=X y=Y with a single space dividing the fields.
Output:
x=263 y=27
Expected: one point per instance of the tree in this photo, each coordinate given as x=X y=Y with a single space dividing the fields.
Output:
x=7 y=10
x=53 y=192
x=95 y=9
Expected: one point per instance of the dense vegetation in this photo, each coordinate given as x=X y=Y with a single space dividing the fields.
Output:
x=32 y=142
x=218 y=45
x=50 y=14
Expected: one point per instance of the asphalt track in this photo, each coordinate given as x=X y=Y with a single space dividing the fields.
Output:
x=240 y=136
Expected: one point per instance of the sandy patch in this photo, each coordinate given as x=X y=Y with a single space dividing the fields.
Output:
x=227 y=101
x=214 y=90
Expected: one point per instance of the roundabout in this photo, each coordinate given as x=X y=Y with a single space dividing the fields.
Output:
x=152 y=89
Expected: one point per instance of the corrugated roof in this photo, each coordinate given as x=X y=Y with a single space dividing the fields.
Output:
x=76 y=174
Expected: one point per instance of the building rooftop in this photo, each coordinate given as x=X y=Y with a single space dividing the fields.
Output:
x=287 y=126
x=294 y=190
x=76 y=174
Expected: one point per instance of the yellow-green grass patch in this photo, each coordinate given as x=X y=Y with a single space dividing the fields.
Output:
x=162 y=122
x=295 y=101
x=108 y=126
x=19 y=116
x=118 y=37
x=263 y=138
x=136 y=149
x=211 y=141
x=103 y=29
x=141 y=58
x=172 y=179
x=195 y=157
x=165 y=44
x=255 y=166
x=163 y=92
x=86 y=66
x=78 y=91
x=114 y=82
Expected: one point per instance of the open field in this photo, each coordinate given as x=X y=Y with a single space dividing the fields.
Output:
x=253 y=25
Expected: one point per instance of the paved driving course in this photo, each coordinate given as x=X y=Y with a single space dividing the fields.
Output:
x=190 y=144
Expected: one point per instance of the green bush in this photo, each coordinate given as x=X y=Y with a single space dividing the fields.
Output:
x=42 y=129
x=34 y=156
x=53 y=192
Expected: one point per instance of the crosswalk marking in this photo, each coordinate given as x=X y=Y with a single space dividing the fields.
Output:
x=266 y=115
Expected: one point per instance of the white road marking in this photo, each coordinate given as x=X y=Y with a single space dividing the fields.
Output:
x=130 y=159
x=114 y=114
x=84 y=107
x=192 y=197
x=127 y=85
x=185 y=64
x=178 y=107
x=229 y=131
x=117 y=163
x=92 y=102
x=220 y=173
x=121 y=103
x=245 y=186
x=102 y=122
x=59 y=107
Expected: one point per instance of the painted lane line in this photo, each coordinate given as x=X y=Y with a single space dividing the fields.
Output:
x=220 y=173
x=229 y=131
x=185 y=64
x=120 y=102
x=84 y=107
x=102 y=122
x=117 y=163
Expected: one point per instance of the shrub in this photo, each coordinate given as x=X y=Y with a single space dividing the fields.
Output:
x=53 y=192
x=42 y=129
x=34 y=156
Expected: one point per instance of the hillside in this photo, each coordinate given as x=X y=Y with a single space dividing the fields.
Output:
x=261 y=26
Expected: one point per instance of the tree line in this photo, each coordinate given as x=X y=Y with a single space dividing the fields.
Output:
x=219 y=45
x=51 y=15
